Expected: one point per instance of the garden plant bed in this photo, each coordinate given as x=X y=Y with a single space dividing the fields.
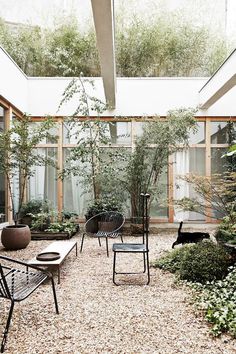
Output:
x=43 y=235
x=103 y=323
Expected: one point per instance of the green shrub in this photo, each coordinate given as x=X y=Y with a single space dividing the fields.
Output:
x=204 y=261
x=201 y=262
x=34 y=206
x=171 y=260
x=218 y=300
x=227 y=229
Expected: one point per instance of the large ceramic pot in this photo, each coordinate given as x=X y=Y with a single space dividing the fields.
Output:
x=15 y=237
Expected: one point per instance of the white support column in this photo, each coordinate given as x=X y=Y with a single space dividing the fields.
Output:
x=103 y=14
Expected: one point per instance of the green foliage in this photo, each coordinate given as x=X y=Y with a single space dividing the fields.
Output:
x=34 y=206
x=201 y=262
x=218 y=301
x=100 y=205
x=40 y=221
x=89 y=160
x=160 y=139
x=204 y=262
x=67 y=215
x=70 y=52
x=65 y=226
x=227 y=229
x=171 y=261
x=18 y=154
x=219 y=191
x=50 y=221
x=166 y=45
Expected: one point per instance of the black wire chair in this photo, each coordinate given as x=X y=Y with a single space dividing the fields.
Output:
x=107 y=224
x=17 y=284
x=136 y=247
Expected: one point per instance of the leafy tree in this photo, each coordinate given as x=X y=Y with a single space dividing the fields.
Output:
x=70 y=52
x=160 y=139
x=18 y=154
x=165 y=45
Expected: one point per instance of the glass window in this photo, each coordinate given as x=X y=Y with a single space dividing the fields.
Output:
x=75 y=195
x=186 y=162
x=1 y=118
x=221 y=132
x=2 y=178
x=218 y=163
x=2 y=198
x=74 y=131
x=199 y=136
x=53 y=131
x=119 y=133
x=159 y=207
x=218 y=166
x=139 y=126
x=43 y=184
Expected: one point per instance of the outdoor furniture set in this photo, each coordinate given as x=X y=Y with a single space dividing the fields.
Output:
x=18 y=280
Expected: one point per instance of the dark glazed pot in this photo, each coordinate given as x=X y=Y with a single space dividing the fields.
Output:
x=15 y=237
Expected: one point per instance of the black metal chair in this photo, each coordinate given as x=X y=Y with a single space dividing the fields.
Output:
x=136 y=247
x=16 y=284
x=107 y=224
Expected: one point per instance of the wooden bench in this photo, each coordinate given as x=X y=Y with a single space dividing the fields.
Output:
x=62 y=247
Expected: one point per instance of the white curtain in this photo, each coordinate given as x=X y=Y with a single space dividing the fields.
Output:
x=43 y=184
x=181 y=188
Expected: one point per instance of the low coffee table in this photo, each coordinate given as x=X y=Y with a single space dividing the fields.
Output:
x=62 y=247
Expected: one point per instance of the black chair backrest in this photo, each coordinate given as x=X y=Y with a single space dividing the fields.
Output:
x=110 y=221
x=4 y=290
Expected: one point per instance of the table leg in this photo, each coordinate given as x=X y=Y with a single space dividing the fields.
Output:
x=59 y=274
x=76 y=249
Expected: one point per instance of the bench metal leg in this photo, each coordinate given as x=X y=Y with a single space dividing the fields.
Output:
x=7 y=326
x=54 y=295
x=82 y=242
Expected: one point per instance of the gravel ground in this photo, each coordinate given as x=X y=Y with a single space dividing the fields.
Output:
x=99 y=317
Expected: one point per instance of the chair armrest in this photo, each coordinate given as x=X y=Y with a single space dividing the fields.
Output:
x=8 y=259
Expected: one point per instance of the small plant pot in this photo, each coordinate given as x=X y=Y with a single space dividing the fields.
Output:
x=106 y=226
x=26 y=220
x=136 y=225
x=15 y=237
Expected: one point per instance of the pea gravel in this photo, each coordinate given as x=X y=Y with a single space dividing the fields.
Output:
x=99 y=317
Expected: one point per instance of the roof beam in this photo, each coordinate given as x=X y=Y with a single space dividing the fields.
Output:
x=220 y=83
x=103 y=15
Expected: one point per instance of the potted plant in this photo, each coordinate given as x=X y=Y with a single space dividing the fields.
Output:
x=31 y=208
x=18 y=154
x=98 y=206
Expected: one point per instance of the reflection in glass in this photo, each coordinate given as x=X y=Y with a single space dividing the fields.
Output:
x=218 y=164
x=221 y=132
x=199 y=136
x=75 y=196
x=186 y=162
x=119 y=132
x=139 y=126
x=2 y=179
x=43 y=185
x=1 y=118
x=159 y=207
x=74 y=131
x=53 y=131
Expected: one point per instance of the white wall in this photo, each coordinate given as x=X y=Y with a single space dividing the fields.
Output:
x=135 y=96
x=45 y=95
x=13 y=82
